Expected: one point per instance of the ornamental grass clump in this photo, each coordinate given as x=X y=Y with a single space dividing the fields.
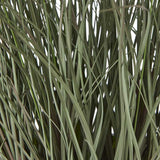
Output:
x=79 y=80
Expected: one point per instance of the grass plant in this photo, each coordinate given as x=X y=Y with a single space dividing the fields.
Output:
x=79 y=80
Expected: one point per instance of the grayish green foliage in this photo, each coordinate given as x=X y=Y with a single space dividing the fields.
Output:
x=77 y=85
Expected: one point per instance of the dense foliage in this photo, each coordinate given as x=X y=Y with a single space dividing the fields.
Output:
x=79 y=80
